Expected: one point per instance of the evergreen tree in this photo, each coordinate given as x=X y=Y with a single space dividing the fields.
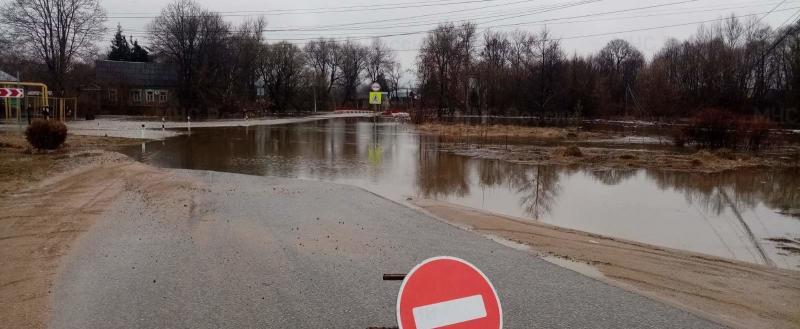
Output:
x=139 y=54
x=120 y=49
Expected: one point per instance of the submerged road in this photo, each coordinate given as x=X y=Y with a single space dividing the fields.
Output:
x=261 y=252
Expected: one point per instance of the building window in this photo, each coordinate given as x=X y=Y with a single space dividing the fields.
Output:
x=112 y=95
x=162 y=96
x=136 y=96
x=150 y=96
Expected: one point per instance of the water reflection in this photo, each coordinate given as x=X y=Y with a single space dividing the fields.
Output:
x=728 y=214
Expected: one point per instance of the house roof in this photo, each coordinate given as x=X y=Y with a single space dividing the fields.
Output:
x=135 y=74
x=7 y=77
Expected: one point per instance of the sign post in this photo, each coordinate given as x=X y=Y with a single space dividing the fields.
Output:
x=375 y=97
x=12 y=93
x=375 y=94
x=448 y=291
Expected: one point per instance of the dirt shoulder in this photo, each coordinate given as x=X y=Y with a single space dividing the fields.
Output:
x=48 y=200
x=20 y=166
x=733 y=293
x=570 y=146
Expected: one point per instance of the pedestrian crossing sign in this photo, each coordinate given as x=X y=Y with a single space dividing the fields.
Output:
x=375 y=98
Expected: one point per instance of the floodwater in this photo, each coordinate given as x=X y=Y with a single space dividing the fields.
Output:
x=732 y=215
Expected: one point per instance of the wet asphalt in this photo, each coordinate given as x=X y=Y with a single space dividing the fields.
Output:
x=259 y=252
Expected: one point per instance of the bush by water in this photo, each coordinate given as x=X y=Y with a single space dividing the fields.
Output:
x=46 y=134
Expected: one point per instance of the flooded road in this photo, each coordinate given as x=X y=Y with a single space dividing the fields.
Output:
x=733 y=215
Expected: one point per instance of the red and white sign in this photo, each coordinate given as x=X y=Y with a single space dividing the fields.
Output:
x=12 y=92
x=448 y=292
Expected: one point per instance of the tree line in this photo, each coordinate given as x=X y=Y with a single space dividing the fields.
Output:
x=740 y=66
x=221 y=66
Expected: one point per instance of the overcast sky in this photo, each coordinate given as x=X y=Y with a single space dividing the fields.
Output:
x=585 y=25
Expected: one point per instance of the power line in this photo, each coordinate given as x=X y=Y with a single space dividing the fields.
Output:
x=770 y=12
x=541 y=21
x=322 y=11
x=574 y=4
x=560 y=20
x=360 y=24
x=405 y=4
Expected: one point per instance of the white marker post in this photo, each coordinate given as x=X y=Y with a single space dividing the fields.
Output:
x=189 y=123
x=142 y=131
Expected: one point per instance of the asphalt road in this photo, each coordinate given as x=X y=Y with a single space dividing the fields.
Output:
x=280 y=253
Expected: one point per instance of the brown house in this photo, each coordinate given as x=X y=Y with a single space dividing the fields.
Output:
x=135 y=87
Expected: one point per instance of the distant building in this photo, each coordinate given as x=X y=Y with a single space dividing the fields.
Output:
x=134 y=87
x=7 y=77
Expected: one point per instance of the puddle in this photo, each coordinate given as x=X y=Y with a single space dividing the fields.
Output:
x=730 y=215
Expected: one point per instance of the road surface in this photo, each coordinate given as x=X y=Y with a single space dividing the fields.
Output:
x=258 y=252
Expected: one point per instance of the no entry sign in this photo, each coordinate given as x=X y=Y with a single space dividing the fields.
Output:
x=12 y=92
x=448 y=292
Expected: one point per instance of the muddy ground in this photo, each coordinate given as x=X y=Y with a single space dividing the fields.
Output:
x=48 y=200
x=597 y=150
x=20 y=165
x=738 y=294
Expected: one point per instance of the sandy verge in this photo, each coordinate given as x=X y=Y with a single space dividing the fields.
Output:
x=733 y=293
x=48 y=200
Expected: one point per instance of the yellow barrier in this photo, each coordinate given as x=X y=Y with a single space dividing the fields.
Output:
x=38 y=102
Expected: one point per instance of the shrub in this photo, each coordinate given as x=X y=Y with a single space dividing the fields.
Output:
x=570 y=151
x=46 y=134
x=712 y=128
x=678 y=137
x=754 y=131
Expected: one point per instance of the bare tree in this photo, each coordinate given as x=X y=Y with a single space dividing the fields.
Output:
x=240 y=63
x=619 y=63
x=323 y=59
x=55 y=32
x=353 y=63
x=442 y=65
x=394 y=75
x=194 y=39
x=379 y=60
x=282 y=66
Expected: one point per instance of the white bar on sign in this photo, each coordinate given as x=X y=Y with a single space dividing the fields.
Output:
x=449 y=312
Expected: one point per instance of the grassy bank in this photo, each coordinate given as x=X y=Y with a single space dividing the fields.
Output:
x=598 y=150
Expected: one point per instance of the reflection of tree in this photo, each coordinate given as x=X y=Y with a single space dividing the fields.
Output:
x=735 y=191
x=612 y=177
x=745 y=188
x=538 y=185
x=441 y=174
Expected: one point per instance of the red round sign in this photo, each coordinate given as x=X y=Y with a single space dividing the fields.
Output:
x=447 y=292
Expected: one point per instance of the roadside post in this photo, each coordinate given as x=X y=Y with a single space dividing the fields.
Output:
x=189 y=123
x=447 y=291
x=375 y=99
x=143 y=131
x=375 y=95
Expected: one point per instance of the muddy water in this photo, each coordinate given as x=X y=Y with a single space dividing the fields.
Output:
x=733 y=215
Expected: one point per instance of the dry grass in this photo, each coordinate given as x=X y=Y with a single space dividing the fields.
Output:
x=502 y=131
